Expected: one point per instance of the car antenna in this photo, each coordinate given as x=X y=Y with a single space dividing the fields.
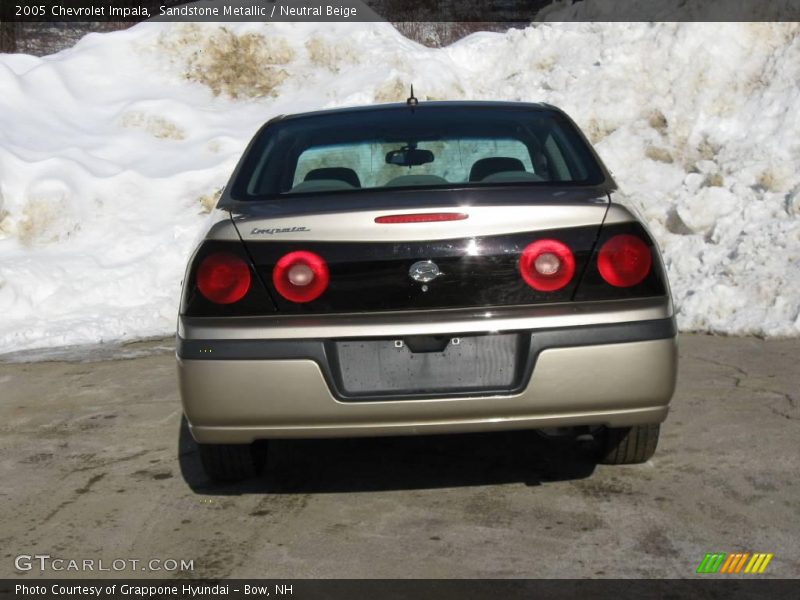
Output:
x=412 y=100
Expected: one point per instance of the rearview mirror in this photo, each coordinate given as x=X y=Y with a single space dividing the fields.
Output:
x=409 y=157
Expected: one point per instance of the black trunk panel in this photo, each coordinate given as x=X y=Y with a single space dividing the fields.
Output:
x=374 y=276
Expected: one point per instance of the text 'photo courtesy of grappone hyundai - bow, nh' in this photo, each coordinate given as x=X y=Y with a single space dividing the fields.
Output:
x=423 y=268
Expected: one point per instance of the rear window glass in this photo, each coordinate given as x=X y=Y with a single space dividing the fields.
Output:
x=425 y=148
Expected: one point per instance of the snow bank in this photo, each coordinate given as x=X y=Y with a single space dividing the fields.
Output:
x=112 y=153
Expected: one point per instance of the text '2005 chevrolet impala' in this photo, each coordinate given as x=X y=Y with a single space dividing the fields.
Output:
x=423 y=268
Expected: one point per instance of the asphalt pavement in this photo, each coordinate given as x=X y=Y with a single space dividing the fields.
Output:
x=96 y=465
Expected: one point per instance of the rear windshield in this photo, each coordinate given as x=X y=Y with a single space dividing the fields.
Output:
x=425 y=148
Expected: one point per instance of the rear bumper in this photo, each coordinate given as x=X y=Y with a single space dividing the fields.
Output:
x=236 y=390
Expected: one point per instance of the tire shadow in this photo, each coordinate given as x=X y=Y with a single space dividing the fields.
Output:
x=398 y=463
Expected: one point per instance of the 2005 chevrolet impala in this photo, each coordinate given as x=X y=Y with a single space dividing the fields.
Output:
x=423 y=268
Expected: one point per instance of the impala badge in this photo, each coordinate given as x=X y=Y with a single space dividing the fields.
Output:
x=424 y=271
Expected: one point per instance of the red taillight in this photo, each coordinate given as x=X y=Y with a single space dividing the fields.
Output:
x=300 y=276
x=422 y=218
x=547 y=265
x=223 y=278
x=624 y=260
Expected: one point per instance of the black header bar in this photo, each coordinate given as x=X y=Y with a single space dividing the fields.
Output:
x=499 y=11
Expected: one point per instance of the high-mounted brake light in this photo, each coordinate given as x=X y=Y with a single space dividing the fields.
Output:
x=422 y=218
x=547 y=265
x=223 y=278
x=624 y=260
x=301 y=276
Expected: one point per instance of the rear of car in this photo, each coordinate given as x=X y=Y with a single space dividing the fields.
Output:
x=444 y=267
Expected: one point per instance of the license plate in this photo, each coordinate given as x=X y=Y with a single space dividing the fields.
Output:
x=415 y=366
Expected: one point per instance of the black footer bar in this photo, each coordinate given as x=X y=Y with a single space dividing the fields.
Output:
x=713 y=587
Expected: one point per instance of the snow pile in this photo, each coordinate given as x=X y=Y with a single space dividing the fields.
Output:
x=112 y=153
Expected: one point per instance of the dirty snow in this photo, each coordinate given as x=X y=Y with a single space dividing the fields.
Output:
x=112 y=153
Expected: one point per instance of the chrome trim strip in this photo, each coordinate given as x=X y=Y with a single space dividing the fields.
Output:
x=430 y=322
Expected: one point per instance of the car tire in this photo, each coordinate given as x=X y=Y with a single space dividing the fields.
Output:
x=628 y=445
x=232 y=462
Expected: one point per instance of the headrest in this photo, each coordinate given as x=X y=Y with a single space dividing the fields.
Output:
x=338 y=173
x=496 y=164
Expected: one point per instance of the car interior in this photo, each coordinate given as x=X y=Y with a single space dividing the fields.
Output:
x=495 y=169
